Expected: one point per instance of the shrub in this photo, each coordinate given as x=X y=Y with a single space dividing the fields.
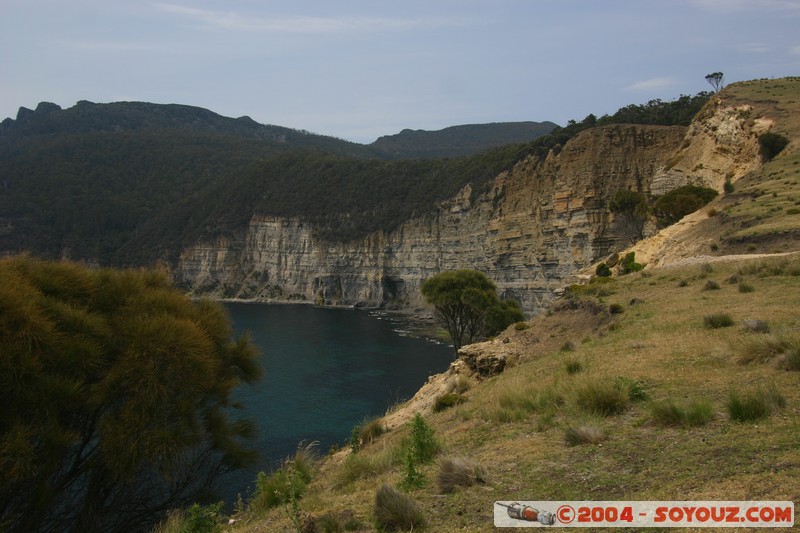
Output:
x=676 y=204
x=717 y=320
x=629 y=264
x=728 y=186
x=412 y=478
x=423 y=445
x=458 y=472
x=616 y=309
x=521 y=326
x=446 y=401
x=602 y=270
x=771 y=145
x=712 y=212
x=754 y=405
x=601 y=398
x=669 y=413
x=706 y=269
x=683 y=283
x=285 y=484
x=793 y=211
x=395 y=511
x=711 y=285
x=587 y=433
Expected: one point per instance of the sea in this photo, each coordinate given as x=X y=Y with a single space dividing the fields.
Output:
x=326 y=370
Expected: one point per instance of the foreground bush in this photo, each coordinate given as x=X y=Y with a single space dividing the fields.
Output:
x=751 y=406
x=116 y=393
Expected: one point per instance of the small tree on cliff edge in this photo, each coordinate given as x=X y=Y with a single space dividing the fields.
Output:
x=716 y=79
x=466 y=304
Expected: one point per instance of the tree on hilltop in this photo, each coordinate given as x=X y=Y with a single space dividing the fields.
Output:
x=716 y=80
x=116 y=394
x=467 y=306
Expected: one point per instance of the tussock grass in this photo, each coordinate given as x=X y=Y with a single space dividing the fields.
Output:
x=396 y=511
x=573 y=366
x=754 y=405
x=717 y=320
x=457 y=472
x=711 y=285
x=601 y=397
x=371 y=429
x=585 y=433
x=745 y=287
x=688 y=414
x=368 y=465
x=286 y=483
x=766 y=348
x=446 y=401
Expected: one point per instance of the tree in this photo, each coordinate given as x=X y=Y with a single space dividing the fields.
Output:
x=632 y=211
x=466 y=304
x=716 y=80
x=116 y=397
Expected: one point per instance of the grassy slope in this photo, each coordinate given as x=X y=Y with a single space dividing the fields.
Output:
x=509 y=427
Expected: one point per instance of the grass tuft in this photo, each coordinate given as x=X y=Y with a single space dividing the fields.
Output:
x=691 y=414
x=446 y=401
x=371 y=430
x=573 y=366
x=754 y=405
x=711 y=285
x=457 y=472
x=717 y=320
x=395 y=511
x=586 y=433
x=601 y=398
x=765 y=348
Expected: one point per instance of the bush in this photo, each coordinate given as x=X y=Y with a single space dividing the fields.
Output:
x=634 y=389
x=771 y=145
x=670 y=413
x=395 y=511
x=717 y=320
x=446 y=401
x=285 y=484
x=754 y=405
x=629 y=264
x=521 y=326
x=679 y=202
x=587 y=433
x=711 y=285
x=423 y=445
x=602 y=270
x=616 y=309
x=458 y=472
x=728 y=186
x=203 y=519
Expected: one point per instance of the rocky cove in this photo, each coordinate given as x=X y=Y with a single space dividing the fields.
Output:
x=529 y=230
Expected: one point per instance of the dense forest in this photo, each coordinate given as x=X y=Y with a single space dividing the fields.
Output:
x=132 y=183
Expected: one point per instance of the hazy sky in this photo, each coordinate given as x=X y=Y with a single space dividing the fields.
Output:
x=361 y=69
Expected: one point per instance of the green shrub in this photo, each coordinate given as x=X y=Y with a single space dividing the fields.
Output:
x=521 y=326
x=616 y=309
x=793 y=211
x=587 y=433
x=423 y=445
x=629 y=264
x=203 y=518
x=285 y=484
x=395 y=511
x=446 y=401
x=602 y=270
x=754 y=405
x=771 y=144
x=676 y=204
x=601 y=398
x=728 y=187
x=412 y=478
x=669 y=413
x=458 y=472
x=717 y=320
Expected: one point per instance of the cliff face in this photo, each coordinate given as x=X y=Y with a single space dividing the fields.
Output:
x=531 y=228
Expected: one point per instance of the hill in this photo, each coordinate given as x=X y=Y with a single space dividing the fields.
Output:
x=457 y=141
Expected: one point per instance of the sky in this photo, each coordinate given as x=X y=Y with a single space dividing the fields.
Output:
x=361 y=69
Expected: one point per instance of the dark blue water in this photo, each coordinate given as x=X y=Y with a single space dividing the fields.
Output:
x=325 y=370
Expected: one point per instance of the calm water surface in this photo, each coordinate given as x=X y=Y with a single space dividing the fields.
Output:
x=325 y=370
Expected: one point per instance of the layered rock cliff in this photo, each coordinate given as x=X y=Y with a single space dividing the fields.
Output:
x=531 y=228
